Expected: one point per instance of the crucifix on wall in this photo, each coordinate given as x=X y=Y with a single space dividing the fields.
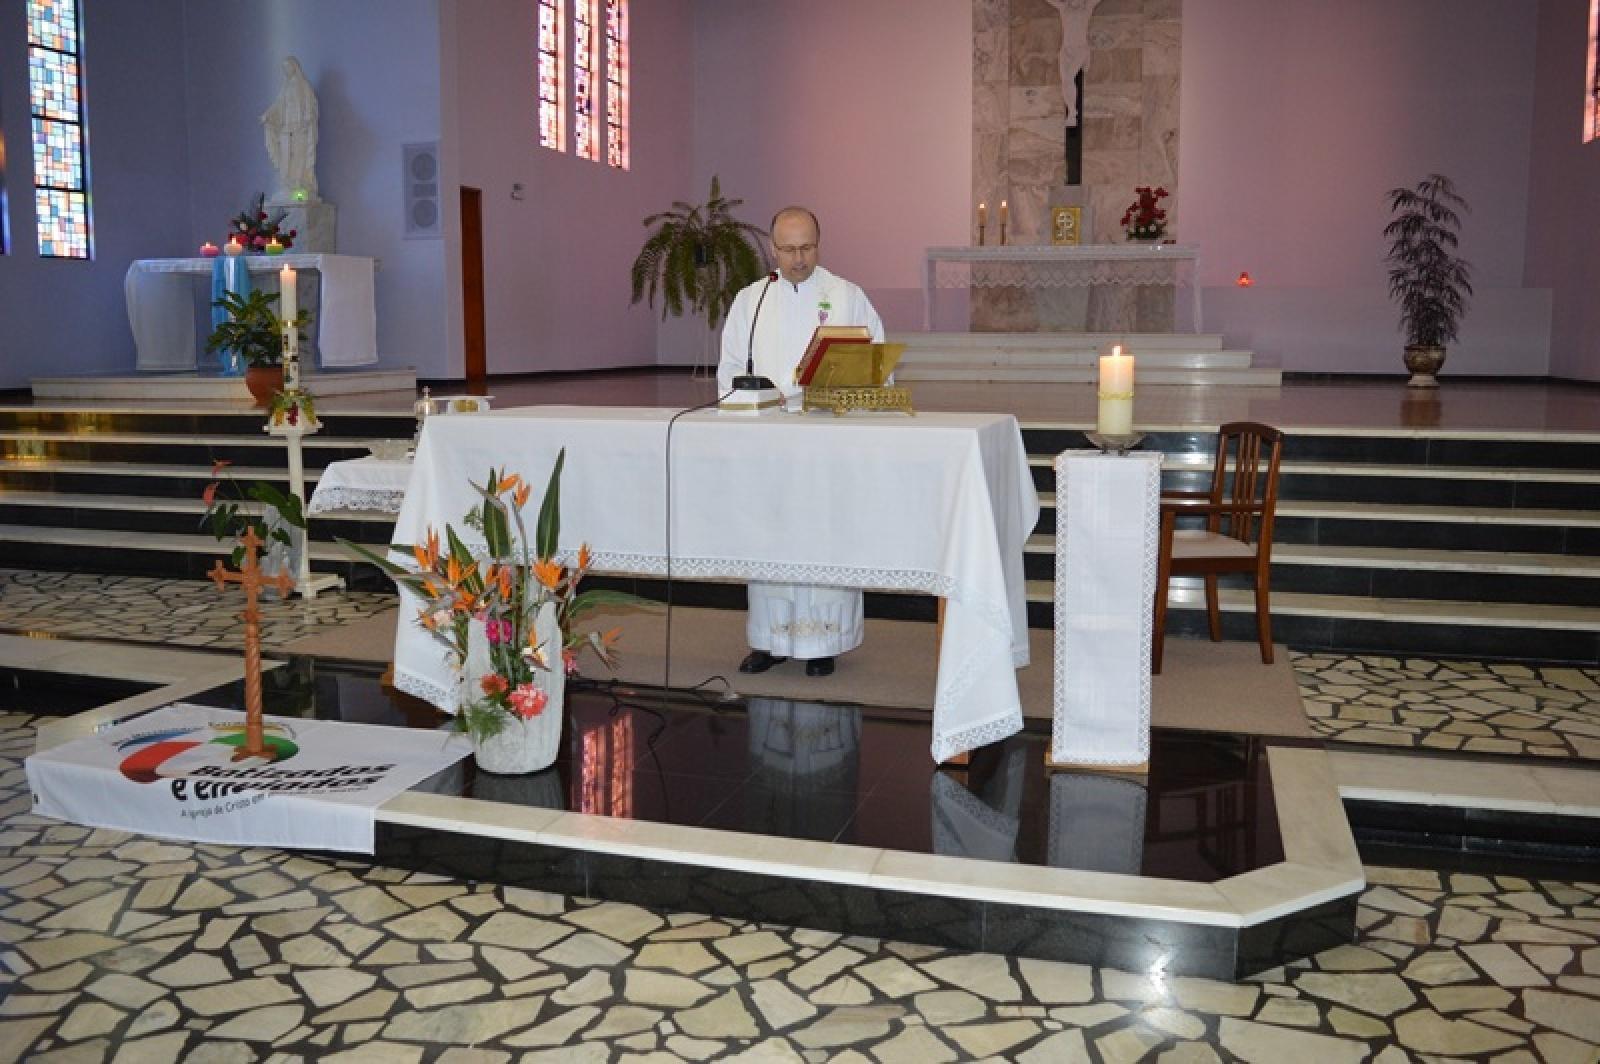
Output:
x=1074 y=62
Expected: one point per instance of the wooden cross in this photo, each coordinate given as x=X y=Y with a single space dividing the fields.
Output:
x=249 y=576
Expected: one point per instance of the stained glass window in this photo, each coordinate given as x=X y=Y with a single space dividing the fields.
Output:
x=1591 y=83
x=552 y=27
x=585 y=79
x=617 y=83
x=60 y=156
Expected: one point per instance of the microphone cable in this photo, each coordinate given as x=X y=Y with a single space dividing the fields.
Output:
x=666 y=657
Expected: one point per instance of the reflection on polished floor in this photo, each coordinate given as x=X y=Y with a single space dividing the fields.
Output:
x=852 y=775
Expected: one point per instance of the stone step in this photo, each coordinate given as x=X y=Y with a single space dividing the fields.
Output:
x=188 y=386
x=1459 y=515
x=1193 y=462
x=1099 y=343
x=1030 y=358
x=973 y=371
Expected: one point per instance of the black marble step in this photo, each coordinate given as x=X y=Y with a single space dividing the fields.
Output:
x=197 y=423
x=197 y=452
x=1543 y=452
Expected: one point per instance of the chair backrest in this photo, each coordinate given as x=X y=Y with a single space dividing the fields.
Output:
x=1239 y=477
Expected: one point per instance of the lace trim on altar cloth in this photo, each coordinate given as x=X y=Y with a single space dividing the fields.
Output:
x=435 y=695
x=804 y=629
x=990 y=731
x=379 y=500
x=1080 y=274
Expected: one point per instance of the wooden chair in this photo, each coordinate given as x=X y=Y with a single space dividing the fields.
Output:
x=1237 y=537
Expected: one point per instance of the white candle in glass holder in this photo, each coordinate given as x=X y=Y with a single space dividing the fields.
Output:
x=1115 y=411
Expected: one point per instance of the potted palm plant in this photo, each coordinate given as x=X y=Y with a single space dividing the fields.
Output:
x=698 y=258
x=1426 y=276
x=255 y=332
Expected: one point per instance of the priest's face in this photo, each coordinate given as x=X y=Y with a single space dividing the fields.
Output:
x=794 y=238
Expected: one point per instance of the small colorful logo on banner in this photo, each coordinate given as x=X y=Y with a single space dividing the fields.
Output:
x=162 y=755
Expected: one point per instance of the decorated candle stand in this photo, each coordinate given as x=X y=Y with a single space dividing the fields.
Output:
x=292 y=416
x=249 y=577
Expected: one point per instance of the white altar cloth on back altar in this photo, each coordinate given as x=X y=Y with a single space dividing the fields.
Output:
x=370 y=483
x=160 y=295
x=939 y=503
x=171 y=773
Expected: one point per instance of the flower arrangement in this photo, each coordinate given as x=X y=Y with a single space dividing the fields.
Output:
x=227 y=518
x=512 y=592
x=1145 y=219
x=292 y=408
x=254 y=229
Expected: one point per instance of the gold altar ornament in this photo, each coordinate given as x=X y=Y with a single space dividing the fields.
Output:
x=1066 y=226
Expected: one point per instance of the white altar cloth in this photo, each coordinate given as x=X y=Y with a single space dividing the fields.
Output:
x=361 y=484
x=939 y=503
x=1107 y=531
x=160 y=295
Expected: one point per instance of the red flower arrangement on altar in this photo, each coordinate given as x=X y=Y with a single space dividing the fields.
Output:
x=254 y=228
x=506 y=589
x=1145 y=219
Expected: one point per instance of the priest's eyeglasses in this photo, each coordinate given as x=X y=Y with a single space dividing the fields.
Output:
x=794 y=249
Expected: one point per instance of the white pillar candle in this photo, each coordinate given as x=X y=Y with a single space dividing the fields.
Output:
x=1115 y=411
x=288 y=306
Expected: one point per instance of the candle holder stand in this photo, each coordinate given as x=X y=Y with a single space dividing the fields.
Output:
x=1118 y=443
x=1002 y=234
x=307 y=583
x=980 y=234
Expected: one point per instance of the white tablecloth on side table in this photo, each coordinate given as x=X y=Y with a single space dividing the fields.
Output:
x=1108 y=523
x=160 y=295
x=938 y=503
x=361 y=484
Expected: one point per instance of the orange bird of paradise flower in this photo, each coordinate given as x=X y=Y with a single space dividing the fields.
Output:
x=548 y=573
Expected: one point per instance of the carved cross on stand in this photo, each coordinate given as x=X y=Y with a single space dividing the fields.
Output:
x=250 y=578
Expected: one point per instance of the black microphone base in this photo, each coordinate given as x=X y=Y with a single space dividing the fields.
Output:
x=750 y=383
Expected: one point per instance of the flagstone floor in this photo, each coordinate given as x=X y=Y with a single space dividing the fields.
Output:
x=119 y=946
x=1471 y=706
x=144 y=609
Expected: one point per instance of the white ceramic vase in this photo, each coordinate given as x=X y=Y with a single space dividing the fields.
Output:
x=531 y=745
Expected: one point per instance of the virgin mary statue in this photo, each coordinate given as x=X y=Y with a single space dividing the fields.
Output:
x=291 y=131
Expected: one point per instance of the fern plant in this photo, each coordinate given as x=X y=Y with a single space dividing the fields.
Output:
x=698 y=258
x=1426 y=277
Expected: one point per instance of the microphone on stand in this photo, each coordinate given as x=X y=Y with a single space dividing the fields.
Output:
x=751 y=382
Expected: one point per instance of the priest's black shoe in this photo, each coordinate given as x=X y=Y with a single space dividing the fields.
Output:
x=819 y=667
x=759 y=661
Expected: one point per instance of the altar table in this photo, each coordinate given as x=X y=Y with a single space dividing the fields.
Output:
x=361 y=484
x=1065 y=266
x=938 y=503
x=160 y=295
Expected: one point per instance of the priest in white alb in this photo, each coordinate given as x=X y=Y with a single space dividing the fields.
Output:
x=813 y=624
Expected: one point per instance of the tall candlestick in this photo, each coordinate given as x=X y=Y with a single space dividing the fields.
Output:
x=1005 y=212
x=1115 y=411
x=983 y=214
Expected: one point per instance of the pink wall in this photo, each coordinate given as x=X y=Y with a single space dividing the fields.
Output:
x=556 y=263
x=1298 y=116
x=1564 y=173
x=861 y=109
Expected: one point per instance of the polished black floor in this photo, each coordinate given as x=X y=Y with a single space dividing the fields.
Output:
x=57 y=694
x=847 y=774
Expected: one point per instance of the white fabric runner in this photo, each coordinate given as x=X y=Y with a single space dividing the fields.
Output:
x=361 y=484
x=160 y=296
x=938 y=503
x=171 y=773
x=1107 y=526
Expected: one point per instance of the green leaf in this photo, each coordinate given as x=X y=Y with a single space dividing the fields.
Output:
x=496 y=530
x=548 y=529
x=588 y=601
x=376 y=559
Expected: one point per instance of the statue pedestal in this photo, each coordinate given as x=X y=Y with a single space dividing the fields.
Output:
x=316 y=223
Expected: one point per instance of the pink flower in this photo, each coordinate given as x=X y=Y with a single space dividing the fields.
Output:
x=569 y=661
x=498 y=632
x=493 y=683
x=527 y=701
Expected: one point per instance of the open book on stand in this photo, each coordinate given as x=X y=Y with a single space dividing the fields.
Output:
x=822 y=340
